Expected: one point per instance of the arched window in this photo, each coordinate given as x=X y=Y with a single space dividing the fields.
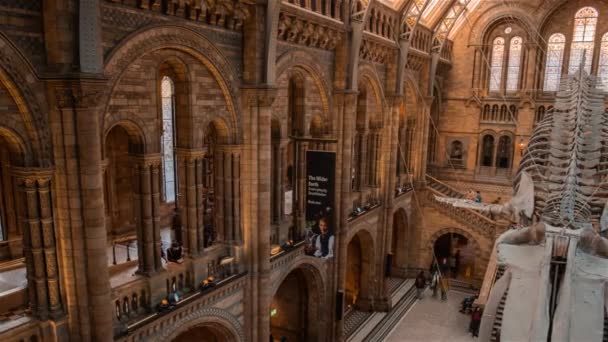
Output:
x=487 y=150
x=503 y=154
x=582 y=40
x=514 y=64
x=602 y=70
x=553 y=64
x=512 y=113
x=503 y=113
x=168 y=138
x=498 y=51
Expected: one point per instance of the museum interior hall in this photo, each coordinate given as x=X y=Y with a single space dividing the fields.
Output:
x=303 y=170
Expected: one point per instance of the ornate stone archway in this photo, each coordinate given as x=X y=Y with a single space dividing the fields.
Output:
x=303 y=284
x=220 y=320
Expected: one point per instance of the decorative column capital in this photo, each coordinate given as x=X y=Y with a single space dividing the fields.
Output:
x=148 y=160
x=36 y=175
x=262 y=96
x=80 y=95
x=189 y=154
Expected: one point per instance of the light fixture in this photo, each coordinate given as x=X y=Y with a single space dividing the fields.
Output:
x=522 y=146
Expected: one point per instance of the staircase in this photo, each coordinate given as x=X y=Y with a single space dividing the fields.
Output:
x=443 y=188
x=471 y=218
x=498 y=318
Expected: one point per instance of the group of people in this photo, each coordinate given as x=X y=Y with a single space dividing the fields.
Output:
x=435 y=281
x=473 y=195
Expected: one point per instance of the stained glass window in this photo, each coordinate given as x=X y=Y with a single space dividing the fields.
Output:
x=553 y=64
x=498 y=51
x=514 y=64
x=602 y=70
x=168 y=139
x=582 y=40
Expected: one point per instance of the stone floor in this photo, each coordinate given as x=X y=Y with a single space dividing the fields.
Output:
x=433 y=320
x=13 y=279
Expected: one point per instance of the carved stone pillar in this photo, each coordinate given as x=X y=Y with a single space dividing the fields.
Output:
x=78 y=106
x=39 y=241
x=228 y=196
x=218 y=192
x=147 y=178
x=363 y=157
x=257 y=114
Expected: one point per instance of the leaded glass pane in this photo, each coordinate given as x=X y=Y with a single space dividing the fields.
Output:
x=514 y=64
x=168 y=139
x=602 y=70
x=498 y=51
x=553 y=65
x=582 y=40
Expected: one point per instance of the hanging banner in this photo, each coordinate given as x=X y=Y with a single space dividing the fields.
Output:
x=320 y=187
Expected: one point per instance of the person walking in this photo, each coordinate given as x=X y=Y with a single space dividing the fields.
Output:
x=435 y=283
x=445 y=286
x=475 y=321
x=456 y=263
x=420 y=283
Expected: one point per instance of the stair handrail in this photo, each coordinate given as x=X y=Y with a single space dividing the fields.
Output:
x=453 y=189
x=488 y=279
x=464 y=213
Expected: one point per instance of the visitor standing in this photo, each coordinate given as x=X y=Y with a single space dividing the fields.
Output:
x=456 y=263
x=420 y=283
x=477 y=197
x=445 y=286
x=475 y=321
x=435 y=283
x=453 y=265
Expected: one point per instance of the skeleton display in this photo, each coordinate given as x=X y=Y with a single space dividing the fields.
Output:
x=555 y=284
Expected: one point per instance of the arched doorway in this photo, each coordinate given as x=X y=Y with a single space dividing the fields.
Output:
x=205 y=333
x=359 y=257
x=294 y=310
x=456 y=255
x=400 y=244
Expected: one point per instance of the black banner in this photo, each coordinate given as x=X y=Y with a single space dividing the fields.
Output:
x=320 y=185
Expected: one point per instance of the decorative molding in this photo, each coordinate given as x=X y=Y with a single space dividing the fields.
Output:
x=308 y=33
x=199 y=317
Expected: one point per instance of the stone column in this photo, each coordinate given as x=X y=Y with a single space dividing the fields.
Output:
x=148 y=179
x=39 y=241
x=228 y=196
x=420 y=141
x=346 y=108
x=363 y=157
x=218 y=193
x=193 y=185
x=80 y=106
x=236 y=184
x=256 y=205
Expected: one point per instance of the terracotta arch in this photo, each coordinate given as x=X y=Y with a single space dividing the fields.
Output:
x=484 y=22
x=299 y=59
x=219 y=319
x=369 y=73
x=183 y=39
x=18 y=77
x=20 y=150
x=363 y=281
x=311 y=274
x=401 y=243
x=132 y=125
x=481 y=256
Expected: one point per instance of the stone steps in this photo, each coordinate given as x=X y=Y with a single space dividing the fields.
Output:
x=381 y=331
x=498 y=318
